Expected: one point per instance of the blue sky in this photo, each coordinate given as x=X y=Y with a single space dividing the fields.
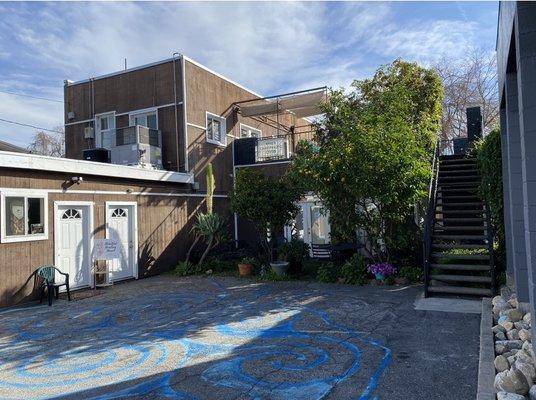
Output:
x=268 y=47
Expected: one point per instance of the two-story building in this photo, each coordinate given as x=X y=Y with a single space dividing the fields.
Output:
x=137 y=145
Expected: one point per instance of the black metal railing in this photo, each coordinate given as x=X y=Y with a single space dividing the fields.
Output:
x=430 y=215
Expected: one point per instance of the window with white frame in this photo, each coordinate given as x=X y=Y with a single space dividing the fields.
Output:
x=145 y=118
x=105 y=130
x=216 y=130
x=248 y=131
x=24 y=216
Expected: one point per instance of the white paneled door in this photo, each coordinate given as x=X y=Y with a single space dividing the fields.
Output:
x=72 y=238
x=121 y=225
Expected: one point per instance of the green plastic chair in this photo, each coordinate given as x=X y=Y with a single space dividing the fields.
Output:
x=48 y=274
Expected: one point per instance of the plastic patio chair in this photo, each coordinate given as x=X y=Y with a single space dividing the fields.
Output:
x=48 y=273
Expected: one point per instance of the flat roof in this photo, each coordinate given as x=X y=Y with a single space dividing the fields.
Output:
x=14 y=160
x=198 y=64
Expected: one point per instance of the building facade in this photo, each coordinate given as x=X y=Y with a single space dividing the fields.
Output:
x=158 y=127
x=516 y=59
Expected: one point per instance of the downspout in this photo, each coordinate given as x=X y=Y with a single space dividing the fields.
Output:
x=185 y=118
x=175 y=105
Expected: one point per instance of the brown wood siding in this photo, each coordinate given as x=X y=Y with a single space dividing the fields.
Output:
x=164 y=224
x=123 y=93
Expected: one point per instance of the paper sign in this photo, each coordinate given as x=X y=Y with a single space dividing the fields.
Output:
x=106 y=249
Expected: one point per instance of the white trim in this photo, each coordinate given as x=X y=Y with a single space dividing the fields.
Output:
x=25 y=193
x=90 y=207
x=263 y=163
x=85 y=121
x=134 y=228
x=65 y=165
x=116 y=192
x=196 y=126
x=223 y=134
x=248 y=127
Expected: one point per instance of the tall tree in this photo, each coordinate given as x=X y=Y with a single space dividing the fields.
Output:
x=470 y=81
x=49 y=143
x=371 y=164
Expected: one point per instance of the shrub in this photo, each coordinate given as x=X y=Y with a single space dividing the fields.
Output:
x=384 y=269
x=295 y=252
x=327 y=273
x=414 y=274
x=185 y=268
x=354 y=270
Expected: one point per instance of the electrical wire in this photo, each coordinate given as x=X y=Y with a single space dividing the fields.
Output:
x=33 y=97
x=29 y=126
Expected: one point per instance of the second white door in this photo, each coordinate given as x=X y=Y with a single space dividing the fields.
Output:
x=121 y=225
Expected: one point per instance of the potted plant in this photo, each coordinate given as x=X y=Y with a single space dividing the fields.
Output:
x=279 y=267
x=294 y=252
x=245 y=266
x=381 y=270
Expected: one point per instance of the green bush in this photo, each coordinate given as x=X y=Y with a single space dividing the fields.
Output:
x=327 y=273
x=354 y=271
x=414 y=274
x=488 y=153
x=294 y=251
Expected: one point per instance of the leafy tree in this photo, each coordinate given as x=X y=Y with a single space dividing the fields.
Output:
x=370 y=164
x=269 y=203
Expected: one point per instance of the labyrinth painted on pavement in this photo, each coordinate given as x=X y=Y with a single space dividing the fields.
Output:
x=203 y=343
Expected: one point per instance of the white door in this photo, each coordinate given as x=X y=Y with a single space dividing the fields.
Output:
x=121 y=225
x=72 y=242
x=311 y=224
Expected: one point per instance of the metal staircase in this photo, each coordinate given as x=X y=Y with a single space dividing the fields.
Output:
x=458 y=240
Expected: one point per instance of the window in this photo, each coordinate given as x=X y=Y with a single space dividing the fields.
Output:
x=24 y=216
x=216 y=130
x=119 y=213
x=248 y=131
x=145 y=118
x=105 y=130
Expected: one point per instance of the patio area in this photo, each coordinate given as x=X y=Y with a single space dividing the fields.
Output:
x=226 y=338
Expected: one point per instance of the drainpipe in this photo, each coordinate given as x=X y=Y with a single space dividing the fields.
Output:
x=175 y=105
x=185 y=117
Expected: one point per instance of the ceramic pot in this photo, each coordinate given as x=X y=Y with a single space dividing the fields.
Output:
x=279 y=267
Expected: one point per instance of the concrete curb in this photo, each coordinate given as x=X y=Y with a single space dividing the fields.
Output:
x=486 y=368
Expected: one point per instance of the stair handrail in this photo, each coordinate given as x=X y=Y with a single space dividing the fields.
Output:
x=430 y=213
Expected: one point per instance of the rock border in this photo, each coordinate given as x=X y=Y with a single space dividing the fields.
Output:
x=486 y=368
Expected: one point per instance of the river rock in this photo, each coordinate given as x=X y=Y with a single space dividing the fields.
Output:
x=496 y=299
x=512 y=381
x=498 y=328
x=506 y=324
x=527 y=368
x=510 y=353
x=513 y=334
x=521 y=325
x=513 y=302
x=509 y=396
x=525 y=334
x=500 y=308
x=501 y=363
x=514 y=314
x=532 y=393
x=526 y=318
x=500 y=336
x=510 y=344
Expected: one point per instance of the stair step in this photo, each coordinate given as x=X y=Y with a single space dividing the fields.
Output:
x=458 y=171
x=460 y=228
x=459 y=203
x=459 y=211
x=454 y=185
x=459 y=178
x=461 y=278
x=461 y=267
x=460 y=290
x=461 y=256
x=460 y=237
x=459 y=246
x=448 y=190
x=452 y=219
x=458 y=197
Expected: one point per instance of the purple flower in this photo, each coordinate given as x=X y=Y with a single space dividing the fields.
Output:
x=385 y=269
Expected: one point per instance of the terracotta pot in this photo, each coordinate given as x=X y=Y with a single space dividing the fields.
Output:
x=245 y=269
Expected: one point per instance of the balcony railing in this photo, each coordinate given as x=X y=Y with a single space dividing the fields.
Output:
x=137 y=134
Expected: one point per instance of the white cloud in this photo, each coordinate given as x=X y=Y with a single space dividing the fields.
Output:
x=268 y=47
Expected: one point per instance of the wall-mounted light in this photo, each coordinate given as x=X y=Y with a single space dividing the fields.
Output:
x=77 y=179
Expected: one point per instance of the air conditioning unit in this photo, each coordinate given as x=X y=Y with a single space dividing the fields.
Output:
x=137 y=146
x=89 y=133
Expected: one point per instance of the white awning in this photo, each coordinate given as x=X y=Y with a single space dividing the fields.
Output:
x=302 y=105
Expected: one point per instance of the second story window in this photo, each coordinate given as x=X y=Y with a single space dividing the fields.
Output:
x=248 y=131
x=216 y=130
x=105 y=130
x=148 y=119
